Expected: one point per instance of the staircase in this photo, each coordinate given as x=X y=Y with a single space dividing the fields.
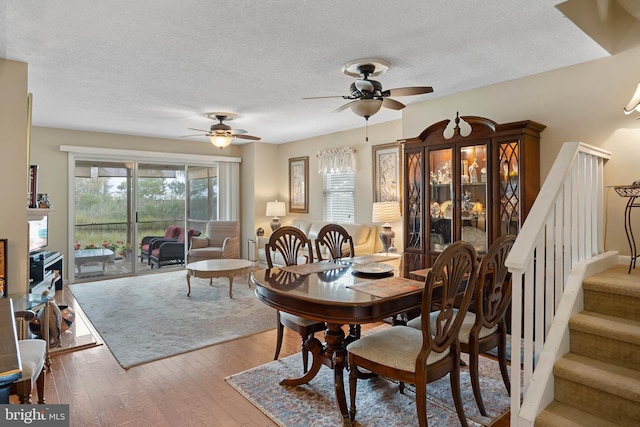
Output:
x=598 y=382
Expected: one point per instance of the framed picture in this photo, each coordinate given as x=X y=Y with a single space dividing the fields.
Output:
x=299 y=184
x=3 y=267
x=387 y=174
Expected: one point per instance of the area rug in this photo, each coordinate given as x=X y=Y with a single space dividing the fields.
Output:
x=379 y=404
x=150 y=317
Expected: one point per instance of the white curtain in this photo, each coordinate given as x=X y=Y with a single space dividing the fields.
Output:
x=336 y=160
x=229 y=191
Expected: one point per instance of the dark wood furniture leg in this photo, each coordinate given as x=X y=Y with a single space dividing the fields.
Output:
x=332 y=355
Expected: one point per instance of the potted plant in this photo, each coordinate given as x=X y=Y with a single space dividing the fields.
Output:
x=125 y=250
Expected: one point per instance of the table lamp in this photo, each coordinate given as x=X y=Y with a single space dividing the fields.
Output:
x=276 y=209
x=386 y=212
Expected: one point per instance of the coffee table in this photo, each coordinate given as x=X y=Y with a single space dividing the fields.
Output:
x=91 y=256
x=208 y=269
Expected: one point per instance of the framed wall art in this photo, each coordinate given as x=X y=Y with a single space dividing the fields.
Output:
x=387 y=174
x=299 y=184
x=3 y=267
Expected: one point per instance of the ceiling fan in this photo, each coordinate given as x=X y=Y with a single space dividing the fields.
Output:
x=221 y=134
x=366 y=94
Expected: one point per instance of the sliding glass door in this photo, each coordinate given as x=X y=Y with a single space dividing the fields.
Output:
x=103 y=231
x=120 y=205
x=161 y=195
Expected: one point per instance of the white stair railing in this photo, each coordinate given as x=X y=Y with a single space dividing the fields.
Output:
x=565 y=226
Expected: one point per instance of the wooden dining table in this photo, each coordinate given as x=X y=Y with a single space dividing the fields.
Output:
x=333 y=292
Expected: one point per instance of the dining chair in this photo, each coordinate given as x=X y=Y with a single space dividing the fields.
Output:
x=418 y=356
x=337 y=241
x=33 y=354
x=289 y=242
x=484 y=327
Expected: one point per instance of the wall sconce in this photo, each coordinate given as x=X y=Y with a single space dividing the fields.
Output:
x=386 y=212
x=276 y=209
x=634 y=104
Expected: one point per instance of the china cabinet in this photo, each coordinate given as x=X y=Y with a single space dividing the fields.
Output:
x=475 y=185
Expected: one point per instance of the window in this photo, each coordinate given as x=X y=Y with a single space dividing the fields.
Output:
x=338 y=197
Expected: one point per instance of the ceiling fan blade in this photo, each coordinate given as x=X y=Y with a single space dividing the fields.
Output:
x=344 y=107
x=408 y=91
x=392 y=103
x=199 y=130
x=251 y=137
x=199 y=134
x=324 y=97
x=238 y=131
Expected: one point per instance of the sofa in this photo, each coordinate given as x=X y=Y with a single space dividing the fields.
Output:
x=221 y=240
x=364 y=239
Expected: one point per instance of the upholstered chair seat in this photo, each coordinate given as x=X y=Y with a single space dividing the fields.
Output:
x=32 y=357
x=221 y=240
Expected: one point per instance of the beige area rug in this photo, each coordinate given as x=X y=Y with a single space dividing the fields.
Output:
x=146 y=318
x=379 y=404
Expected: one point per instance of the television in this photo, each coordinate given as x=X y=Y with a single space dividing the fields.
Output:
x=38 y=234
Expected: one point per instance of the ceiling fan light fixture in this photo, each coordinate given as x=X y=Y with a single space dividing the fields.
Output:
x=220 y=141
x=366 y=107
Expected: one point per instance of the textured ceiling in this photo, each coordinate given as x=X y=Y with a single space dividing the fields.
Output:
x=155 y=67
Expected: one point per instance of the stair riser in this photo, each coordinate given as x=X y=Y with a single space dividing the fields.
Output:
x=596 y=402
x=617 y=352
x=614 y=305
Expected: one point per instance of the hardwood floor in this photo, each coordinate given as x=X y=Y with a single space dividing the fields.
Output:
x=184 y=390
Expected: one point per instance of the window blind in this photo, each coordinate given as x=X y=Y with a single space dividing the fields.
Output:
x=338 y=197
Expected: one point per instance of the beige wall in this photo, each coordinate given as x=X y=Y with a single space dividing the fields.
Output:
x=579 y=103
x=14 y=171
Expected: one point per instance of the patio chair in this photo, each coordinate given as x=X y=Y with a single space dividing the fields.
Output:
x=169 y=252
x=171 y=234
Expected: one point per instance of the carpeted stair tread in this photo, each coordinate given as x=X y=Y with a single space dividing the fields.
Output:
x=558 y=414
x=611 y=327
x=611 y=281
x=609 y=378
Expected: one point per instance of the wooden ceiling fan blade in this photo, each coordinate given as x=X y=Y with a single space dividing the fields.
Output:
x=251 y=137
x=237 y=131
x=344 y=107
x=199 y=130
x=408 y=91
x=392 y=104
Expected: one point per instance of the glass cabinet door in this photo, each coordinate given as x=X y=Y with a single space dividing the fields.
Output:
x=509 y=206
x=414 y=199
x=440 y=202
x=473 y=196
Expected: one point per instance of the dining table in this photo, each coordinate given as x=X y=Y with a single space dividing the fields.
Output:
x=349 y=291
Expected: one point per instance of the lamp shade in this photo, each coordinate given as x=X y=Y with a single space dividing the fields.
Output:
x=386 y=212
x=276 y=209
x=220 y=141
x=366 y=107
x=634 y=104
